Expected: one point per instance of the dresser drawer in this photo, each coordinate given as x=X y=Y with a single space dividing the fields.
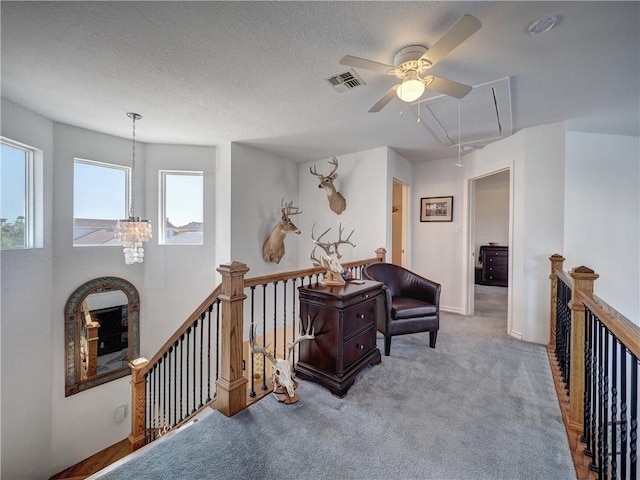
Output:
x=497 y=260
x=495 y=273
x=358 y=317
x=358 y=347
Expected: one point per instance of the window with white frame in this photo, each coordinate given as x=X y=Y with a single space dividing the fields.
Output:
x=17 y=182
x=181 y=208
x=100 y=199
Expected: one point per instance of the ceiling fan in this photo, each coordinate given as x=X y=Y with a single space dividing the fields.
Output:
x=413 y=61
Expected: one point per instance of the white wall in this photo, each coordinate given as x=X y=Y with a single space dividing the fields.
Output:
x=259 y=182
x=222 y=206
x=26 y=323
x=437 y=248
x=166 y=298
x=602 y=215
x=362 y=180
x=536 y=157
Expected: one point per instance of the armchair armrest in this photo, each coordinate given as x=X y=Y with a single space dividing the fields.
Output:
x=421 y=288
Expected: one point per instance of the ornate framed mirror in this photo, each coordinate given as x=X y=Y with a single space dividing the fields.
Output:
x=102 y=332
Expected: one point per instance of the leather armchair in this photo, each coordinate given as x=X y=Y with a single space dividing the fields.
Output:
x=412 y=303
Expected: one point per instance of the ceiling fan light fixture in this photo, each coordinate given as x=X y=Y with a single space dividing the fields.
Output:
x=410 y=90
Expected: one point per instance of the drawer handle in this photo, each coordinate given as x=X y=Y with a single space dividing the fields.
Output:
x=360 y=315
x=365 y=295
x=359 y=346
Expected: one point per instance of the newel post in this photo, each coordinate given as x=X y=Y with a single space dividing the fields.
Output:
x=231 y=385
x=583 y=279
x=138 y=402
x=557 y=261
x=381 y=254
x=92 y=348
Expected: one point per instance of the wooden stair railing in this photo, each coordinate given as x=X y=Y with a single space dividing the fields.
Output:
x=164 y=393
x=594 y=358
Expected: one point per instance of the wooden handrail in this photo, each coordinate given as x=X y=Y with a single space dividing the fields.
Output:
x=588 y=390
x=306 y=272
x=565 y=277
x=182 y=328
x=620 y=326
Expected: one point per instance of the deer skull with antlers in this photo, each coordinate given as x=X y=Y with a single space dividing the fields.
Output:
x=337 y=203
x=330 y=248
x=283 y=382
x=273 y=247
x=331 y=258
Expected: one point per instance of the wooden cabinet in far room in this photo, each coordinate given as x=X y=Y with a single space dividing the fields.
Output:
x=495 y=265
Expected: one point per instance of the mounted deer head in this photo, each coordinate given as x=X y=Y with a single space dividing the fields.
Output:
x=282 y=367
x=273 y=247
x=337 y=203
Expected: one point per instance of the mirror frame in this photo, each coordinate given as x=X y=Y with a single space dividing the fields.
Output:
x=73 y=330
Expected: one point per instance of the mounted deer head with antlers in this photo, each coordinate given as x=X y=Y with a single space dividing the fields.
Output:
x=273 y=247
x=337 y=203
x=283 y=382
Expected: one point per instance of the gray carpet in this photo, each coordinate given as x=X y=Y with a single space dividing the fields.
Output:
x=482 y=405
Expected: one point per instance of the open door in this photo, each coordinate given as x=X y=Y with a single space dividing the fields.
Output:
x=490 y=226
x=399 y=223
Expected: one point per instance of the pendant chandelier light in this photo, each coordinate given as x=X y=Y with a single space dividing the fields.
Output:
x=133 y=231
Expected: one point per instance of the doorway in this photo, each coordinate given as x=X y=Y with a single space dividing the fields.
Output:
x=490 y=233
x=400 y=200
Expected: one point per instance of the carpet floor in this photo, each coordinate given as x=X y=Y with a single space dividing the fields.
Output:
x=481 y=405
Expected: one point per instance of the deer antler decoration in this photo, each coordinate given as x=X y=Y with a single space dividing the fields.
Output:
x=283 y=383
x=331 y=258
x=337 y=203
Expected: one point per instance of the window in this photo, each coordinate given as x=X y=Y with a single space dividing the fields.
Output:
x=181 y=208
x=17 y=197
x=100 y=198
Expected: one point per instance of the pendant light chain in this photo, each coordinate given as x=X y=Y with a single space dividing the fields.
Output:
x=133 y=171
x=134 y=117
x=133 y=232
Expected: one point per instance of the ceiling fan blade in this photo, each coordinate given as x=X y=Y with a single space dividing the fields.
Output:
x=448 y=87
x=366 y=64
x=386 y=98
x=461 y=30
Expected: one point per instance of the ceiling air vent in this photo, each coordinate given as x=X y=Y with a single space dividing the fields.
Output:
x=345 y=81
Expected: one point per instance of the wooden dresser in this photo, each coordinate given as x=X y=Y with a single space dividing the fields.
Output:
x=344 y=322
x=495 y=265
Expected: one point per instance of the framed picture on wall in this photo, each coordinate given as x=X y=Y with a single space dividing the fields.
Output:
x=436 y=209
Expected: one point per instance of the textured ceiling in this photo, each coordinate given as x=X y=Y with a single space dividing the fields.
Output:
x=202 y=73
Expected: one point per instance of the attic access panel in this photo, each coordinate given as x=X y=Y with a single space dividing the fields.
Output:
x=485 y=115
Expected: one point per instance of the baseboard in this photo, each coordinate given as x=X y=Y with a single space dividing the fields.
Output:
x=457 y=310
x=515 y=334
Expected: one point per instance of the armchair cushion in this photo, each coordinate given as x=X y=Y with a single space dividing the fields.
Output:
x=404 y=307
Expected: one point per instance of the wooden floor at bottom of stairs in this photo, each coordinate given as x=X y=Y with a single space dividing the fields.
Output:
x=96 y=462
x=118 y=451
